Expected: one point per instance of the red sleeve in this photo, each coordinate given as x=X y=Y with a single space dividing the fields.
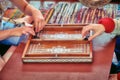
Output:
x=108 y=23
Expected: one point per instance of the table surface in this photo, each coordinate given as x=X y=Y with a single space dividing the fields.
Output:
x=103 y=48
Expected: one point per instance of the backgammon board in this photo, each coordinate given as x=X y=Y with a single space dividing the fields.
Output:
x=56 y=43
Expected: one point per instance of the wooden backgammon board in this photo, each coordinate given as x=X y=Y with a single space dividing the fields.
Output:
x=56 y=43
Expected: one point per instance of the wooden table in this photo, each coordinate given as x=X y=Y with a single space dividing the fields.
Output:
x=99 y=69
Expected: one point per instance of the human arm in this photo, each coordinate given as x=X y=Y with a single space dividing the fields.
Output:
x=96 y=28
x=104 y=25
x=18 y=31
x=37 y=16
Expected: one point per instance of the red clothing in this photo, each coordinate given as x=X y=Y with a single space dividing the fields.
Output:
x=108 y=23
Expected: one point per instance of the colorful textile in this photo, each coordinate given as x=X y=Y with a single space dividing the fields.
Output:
x=13 y=13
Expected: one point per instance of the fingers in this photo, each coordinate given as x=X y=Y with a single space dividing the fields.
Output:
x=28 y=30
x=97 y=28
x=43 y=24
x=86 y=30
x=93 y=36
x=39 y=25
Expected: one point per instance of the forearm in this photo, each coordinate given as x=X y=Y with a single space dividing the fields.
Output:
x=5 y=34
x=29 y=10
x=24 y=6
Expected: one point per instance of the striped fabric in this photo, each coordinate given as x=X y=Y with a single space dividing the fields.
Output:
x=13 y=13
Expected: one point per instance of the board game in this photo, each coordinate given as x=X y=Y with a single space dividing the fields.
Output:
x=58 y=44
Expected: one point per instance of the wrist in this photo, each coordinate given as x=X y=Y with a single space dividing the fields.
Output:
x=29 y=9
x=102 y=27
x=108 y=24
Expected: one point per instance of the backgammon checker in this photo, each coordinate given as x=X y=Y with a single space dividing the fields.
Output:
x=58 y=43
